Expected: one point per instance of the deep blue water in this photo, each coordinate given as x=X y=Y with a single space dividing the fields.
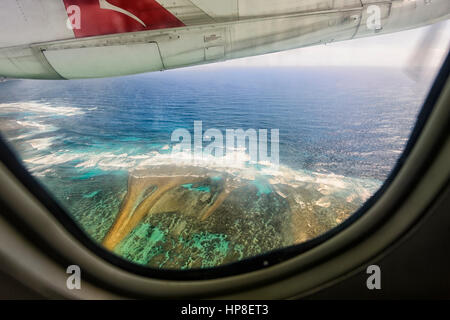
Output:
x=353 y=122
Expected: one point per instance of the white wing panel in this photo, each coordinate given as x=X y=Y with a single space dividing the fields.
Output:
x=186 y=11
x=32 y=21
x=264 y=8
x=274 y=35
x=107 y=61
x=219 y=10
x=25 y=63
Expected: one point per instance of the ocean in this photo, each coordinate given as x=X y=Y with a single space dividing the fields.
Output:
x=103 y=148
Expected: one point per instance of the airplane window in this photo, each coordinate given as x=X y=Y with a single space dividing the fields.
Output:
x=204 y=166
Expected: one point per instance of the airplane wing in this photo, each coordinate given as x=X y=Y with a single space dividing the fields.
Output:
x=70 y=39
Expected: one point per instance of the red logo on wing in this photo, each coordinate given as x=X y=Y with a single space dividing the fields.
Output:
x=99 y=17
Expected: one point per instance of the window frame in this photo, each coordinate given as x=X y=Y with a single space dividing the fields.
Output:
x=42 y=219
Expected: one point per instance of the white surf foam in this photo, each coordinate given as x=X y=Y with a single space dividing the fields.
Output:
x=235 y=164
x=39 y=108
x=41 y=144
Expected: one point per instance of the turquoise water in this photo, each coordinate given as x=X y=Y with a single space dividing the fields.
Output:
x=200 y=188
x=262 y=186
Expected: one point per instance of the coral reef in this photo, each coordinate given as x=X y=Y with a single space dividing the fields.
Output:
x=192 y=217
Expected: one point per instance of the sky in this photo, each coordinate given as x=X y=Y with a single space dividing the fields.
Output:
x=390 y=50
